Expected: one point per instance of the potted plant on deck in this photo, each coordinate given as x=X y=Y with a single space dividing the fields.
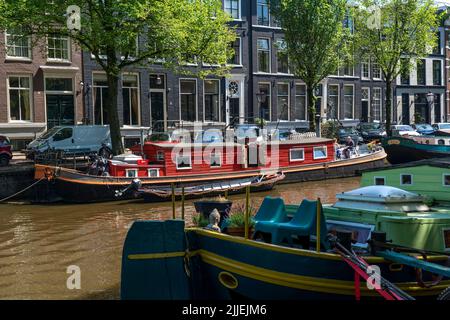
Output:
x=207 y=205
x=235 y=224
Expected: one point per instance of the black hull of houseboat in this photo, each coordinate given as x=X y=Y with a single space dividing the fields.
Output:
x=397 y=154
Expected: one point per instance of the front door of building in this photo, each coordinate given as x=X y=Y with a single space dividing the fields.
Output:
x=60 y=110
x=234 y=106
x=365 y=105
x=405 y=109
x=158 y=103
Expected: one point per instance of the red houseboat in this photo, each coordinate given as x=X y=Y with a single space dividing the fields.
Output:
x=196 y=168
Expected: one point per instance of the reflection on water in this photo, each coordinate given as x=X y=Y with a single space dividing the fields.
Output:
x=38 y=243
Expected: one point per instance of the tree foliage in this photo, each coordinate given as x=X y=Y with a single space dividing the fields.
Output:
x=172 y=31
x=394 y=33
x=316 y=38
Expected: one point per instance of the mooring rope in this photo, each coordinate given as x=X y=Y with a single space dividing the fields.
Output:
x=27 y=188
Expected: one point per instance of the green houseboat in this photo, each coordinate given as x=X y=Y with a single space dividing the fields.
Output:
x=410 y=202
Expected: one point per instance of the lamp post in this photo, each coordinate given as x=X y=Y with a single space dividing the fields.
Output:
x=261 y=97
x=430 y=99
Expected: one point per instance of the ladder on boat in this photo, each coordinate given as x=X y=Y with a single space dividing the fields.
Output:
x=386 y=289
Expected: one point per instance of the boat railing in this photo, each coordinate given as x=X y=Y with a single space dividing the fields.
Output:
x=66 y=159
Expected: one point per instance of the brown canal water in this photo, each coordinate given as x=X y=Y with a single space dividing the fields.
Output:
x=38 y=243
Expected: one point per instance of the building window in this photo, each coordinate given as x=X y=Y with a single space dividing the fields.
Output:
x=404 y=74
x=264 y=106
x=379 y=181
x=376 y=70
x=320 y=153
x=283 y=101
x=333 y=102
x=296 y=155
x=17 y=45
x=282 y=57
x=19 y=94
x=130 y=95
x=437 y=72
x=215 y=160
x=184 y=162
x=376 y=105
x=446 y=180
x=212 y=103
x=232 y=7
x=131 y=173
x=58 y=48
x=188 y=100
x=99 y=94
x=421 y=72
x=348 y=101
x=153 y=173
x=365 y=68
x=263 y=12
x=236 y=47
x=160 y=156
x=300 y=103
x=263 y=55
x=406 y=179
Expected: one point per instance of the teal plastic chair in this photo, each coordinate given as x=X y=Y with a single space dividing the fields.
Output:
x=271 y=212
x=302 y=224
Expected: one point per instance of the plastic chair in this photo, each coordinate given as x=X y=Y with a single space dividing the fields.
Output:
x=302 y=224
x=271 y=212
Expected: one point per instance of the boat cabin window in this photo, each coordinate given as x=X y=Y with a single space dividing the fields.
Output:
x=153 y=172
x=184 y=162
x=441 y=142
x=320 y=152
x=447 y=239
x=406 y=179
x=379 y=181
x=297 y=154
x=131 y=173
x=215 y=160
x=446 y=180
x=160 y=156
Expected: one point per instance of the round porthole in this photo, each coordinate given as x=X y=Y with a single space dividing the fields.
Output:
x=228 y=280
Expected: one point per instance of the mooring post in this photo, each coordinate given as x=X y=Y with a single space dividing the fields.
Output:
x=182 y=203
x=173 y=201
x=247 y=211
x=318 y=211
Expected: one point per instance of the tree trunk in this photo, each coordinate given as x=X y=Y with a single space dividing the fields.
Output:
x=388 y=104
x=113 y=113
x=311 y=107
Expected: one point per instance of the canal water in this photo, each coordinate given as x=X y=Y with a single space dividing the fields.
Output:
x=38 y=243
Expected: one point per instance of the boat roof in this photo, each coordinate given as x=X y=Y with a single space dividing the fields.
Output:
x=435 y=162
x=381 y=198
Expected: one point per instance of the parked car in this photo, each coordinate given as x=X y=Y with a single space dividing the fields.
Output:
x=371 y=131
x=345 y=132
x=73 y=139
x=250 y=131
x=5 y=151
x=442 y=126
x=404 y=130
x=423 y=128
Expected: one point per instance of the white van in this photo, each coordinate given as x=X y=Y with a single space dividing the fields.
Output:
x=72 y=139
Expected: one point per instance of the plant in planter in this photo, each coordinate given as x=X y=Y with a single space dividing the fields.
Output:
x=206 y=205
x=199 y=220
x=235 y=224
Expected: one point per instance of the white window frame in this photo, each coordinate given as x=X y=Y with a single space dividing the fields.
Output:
x=219 y=154
x=239 y=18
x=443 y=180
x=291 y=159
x=93 y=101
x=353 y=101
x=257 y=17
x=322 y=157
x=158 y=153
x=69 y=51
x=19 y=58
x=138 y=87
x=446 y=249
x=204 y=101
x=288 y=99
x=30 y=77
x=406 y=184
x=132 y=170
x=268 y=98
x=338 y=98
x=302 y=95
x=379 y=177
x=372 y=104
x=153 y=169
x=285 y=52
x=270 y=55
x=180 y=94
x=367 y=63
x=185 y=168
x=379 y=68
x=240 y=65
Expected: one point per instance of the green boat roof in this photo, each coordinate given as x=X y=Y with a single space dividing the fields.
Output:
x=435 y=162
